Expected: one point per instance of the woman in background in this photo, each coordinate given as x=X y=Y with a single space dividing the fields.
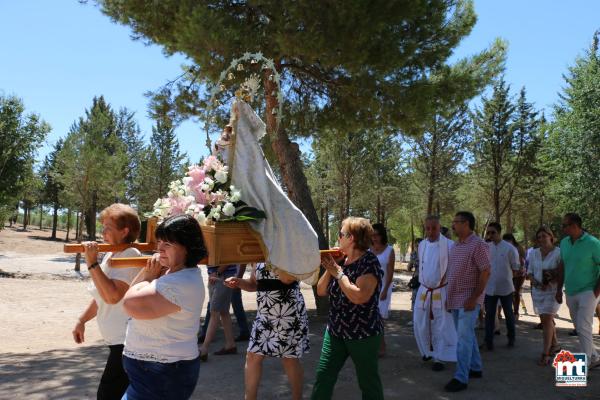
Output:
x=387 y=259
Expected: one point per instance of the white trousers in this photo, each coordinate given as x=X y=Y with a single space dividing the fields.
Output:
x=581 y=307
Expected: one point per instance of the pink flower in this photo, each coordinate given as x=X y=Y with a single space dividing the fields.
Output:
x=211 y=162
x=199 y=195
x=197 y=174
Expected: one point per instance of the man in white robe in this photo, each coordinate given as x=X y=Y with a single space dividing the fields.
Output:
x=433 y=325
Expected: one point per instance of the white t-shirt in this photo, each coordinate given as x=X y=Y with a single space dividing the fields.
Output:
x=111 y=318
x=172 y=337
x=505 y=260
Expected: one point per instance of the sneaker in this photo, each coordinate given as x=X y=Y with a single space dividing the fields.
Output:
x=475 y=374
x=455 y=386
x=573 y=333
x=438 y=366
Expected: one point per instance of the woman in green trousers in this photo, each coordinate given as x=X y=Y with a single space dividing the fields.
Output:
x=354 y=328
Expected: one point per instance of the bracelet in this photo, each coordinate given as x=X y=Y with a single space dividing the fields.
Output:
x=94 y=265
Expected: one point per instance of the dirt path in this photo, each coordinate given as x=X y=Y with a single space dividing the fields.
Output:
x=38 y=359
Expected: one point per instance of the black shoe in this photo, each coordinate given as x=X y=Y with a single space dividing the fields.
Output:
x=539 y=326
x=573 y=333
x=438 y=366
x=455 y=386
x=242 y=338
x=511 y=343
x=426 y=358
x=486 y=346
x=497 y=332
x=475 y=374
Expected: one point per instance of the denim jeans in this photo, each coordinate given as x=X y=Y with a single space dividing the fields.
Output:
x=467 y=349
x=491 y=304
x=149 y=380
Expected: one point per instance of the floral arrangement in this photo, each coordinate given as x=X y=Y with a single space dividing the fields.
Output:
x=205 y=194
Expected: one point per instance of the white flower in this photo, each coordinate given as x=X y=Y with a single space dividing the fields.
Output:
x=157 y=204
x=229 y=209
x=236 y=195
x=221 y=175
x=215 y=213
x=209 y=182
x=201 y=218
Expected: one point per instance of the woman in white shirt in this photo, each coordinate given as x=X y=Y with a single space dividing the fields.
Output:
x=387 y=259
x=543 y=275
x=165 y=302
x=121 y=224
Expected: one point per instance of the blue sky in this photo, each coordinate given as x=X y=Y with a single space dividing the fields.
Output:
x=57 y=55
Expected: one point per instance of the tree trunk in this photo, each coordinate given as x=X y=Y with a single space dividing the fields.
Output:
x=54 y=221
x=25 y=217
x=509 y=219
x=68 y=224
x=79 y=237
x=290 y=165
x=41 y=216
x=77 y=233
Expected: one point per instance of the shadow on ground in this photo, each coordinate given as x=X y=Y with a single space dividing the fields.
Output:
x=509 y=373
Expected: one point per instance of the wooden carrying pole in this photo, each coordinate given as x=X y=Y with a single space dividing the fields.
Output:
x=141 y=261
x=150 y=244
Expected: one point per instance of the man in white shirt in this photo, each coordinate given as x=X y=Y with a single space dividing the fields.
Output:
x=433 y=326
x=505 y=260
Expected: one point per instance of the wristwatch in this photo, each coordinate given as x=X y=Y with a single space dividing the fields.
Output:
x=339 y=275
x=94 y=265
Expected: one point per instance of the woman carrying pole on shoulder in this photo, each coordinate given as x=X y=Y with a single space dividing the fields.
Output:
x=354 y=328
x=280 y=329
x=165 y=301
x=120 y=224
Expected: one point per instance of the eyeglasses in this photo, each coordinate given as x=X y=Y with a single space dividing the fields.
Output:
x=343 y=234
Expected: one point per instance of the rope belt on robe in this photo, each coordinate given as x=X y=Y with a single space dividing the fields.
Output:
x=429 y=293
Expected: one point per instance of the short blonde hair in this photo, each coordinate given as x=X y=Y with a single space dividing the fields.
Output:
x=124 y=217
x=361 y=230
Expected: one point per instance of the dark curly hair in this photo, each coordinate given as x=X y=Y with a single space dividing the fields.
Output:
x=184 y=230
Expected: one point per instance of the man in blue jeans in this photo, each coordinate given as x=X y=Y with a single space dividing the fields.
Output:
x=238 y=311
x=500 y=287
x=468 y=272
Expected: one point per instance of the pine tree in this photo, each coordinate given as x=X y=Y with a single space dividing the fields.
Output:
x=346 y=65
x=20 y=136
x=502 y=138
x=128 y=131
x=161 y=163
x=93 y=161
x=437 y=155
x=52 y=187
x=574 y=146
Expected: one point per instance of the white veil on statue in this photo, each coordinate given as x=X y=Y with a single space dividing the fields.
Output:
x=290 y=242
